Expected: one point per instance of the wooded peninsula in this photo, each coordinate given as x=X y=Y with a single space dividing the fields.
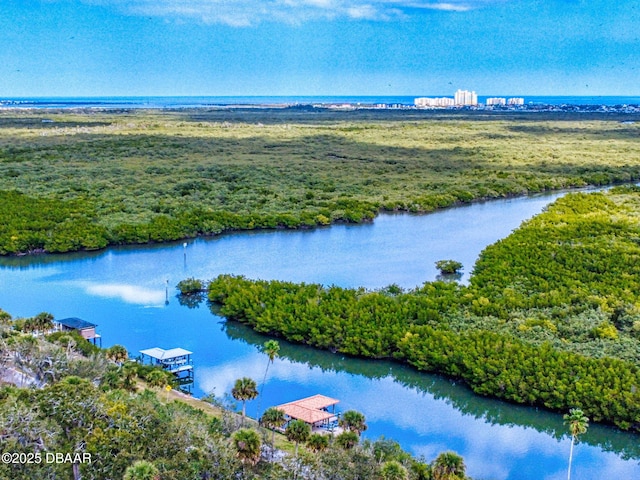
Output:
x=550 y=318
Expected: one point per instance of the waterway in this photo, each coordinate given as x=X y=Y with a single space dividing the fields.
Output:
x=129 y=292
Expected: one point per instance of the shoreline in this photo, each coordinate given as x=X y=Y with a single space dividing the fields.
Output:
x=381 y=211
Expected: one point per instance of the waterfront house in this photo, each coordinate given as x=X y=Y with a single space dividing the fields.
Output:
x=86 y=329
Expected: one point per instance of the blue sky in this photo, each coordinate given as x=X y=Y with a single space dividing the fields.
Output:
x=319 y=47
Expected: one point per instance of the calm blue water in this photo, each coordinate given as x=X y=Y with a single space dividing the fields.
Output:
x=129 y=292
x=205 y=101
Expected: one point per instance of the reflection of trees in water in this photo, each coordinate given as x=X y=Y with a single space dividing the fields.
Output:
x=449 y=277
x=456 y=394
x=192 y=300
x=27 y=262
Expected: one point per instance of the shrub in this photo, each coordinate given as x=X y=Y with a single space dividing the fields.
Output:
x=448 y=266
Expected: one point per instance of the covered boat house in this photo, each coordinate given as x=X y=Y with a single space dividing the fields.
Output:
x=174 y=360
x=318 y=411
x=86 y=329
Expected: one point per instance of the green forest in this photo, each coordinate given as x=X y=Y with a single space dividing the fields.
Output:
x=550 y=317
x=82 y=180
x=75 y=411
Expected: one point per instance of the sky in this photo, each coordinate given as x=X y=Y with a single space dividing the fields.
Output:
x=318 y=47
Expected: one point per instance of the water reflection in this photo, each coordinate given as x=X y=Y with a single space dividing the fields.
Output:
x=127 y=293
x=409 y=388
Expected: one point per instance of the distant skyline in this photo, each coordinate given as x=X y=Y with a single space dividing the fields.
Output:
x=318 y=47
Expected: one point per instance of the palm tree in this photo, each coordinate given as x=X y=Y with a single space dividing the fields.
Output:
x=393 y=470
x=43 y=322
x=271 y=348
x=157 y=378
x=118 y=354
x=247 y=443
x=273 y=418
x=129 y=374
x=243 y=390
x=347 y=439
x=448 y=466
x=297 y=431
x=353 y=421
x=141 y=470
x=578 y=425
x=317 y=442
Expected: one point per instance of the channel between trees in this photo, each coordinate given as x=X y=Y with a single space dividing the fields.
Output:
x=555 y=334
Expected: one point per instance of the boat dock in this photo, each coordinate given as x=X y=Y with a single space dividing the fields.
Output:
x=174 y=360
x=318 y=411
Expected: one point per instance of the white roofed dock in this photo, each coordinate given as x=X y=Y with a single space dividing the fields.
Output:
x=174 y=360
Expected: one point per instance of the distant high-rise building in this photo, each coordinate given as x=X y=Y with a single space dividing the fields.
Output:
x=515 y=101
x=465 y=97
x=433 y=102
x=496 y=101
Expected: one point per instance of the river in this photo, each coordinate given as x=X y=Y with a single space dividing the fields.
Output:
x=129 y=292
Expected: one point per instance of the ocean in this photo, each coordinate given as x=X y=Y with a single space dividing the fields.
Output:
x=221 y=101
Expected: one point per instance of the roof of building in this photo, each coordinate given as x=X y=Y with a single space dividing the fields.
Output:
x=307 y=415
x=161 y=354
x=309 y=409
x=76 y=323
x=317 y=401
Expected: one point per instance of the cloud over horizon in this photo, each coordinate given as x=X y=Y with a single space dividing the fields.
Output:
x=243 y=13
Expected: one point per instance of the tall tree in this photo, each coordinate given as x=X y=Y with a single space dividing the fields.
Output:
x=273 y=418
x=297 y=431
x=578 y=424
x=271 y=348
x=448 y=466
x=353 y=421
x=243 y=390
x=247 y=444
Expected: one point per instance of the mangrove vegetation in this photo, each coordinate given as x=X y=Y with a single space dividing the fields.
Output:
x=82 y=180
x=550 y=318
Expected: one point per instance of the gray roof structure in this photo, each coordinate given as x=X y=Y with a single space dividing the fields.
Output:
x=161 y=354
x=75 y=323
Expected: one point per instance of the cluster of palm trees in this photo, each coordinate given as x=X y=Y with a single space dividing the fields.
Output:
x=247 y=441
x=41 y=323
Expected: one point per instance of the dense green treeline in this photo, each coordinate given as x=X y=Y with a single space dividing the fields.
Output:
x=584 y=246
x=452 y=392
x=85 y=180
x=535 y=325
x=372 y=325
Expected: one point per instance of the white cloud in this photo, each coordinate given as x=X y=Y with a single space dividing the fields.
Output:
x=240 y=13
x=448 y=7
